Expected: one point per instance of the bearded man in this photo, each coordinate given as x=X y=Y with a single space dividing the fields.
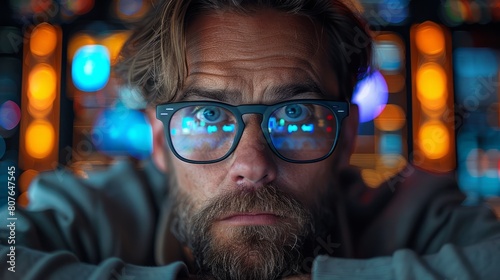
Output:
x=252 y=121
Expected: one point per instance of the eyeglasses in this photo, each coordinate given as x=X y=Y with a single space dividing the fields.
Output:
x=298 y=131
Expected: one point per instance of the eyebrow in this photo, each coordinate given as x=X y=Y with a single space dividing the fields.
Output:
x=289 y=91
x=222 y=95
x=278 y=93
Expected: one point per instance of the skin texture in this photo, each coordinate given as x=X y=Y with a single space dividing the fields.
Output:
x=257 y=58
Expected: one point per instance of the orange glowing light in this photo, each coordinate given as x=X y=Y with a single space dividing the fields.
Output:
x=43 y=40
x=77 y=42
x=392 y=118
x=430 y=38
x=26 y=178
x=81 y=7
x=40 y=139
x=431 y=85
x=42 y=83
x=114 y=44
x=434 y=140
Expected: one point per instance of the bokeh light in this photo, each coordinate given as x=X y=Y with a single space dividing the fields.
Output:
x=434 y=140
x=392 y=118
x=114 y=44
x=39 y=113
x=78 y=7
x=131 y=97
x=430 y=38
x=78 y=41
x=26 y=178
x=129 y=7
x=388 y=56
x=40 y=139
x=41 y=6
x=431 y=85
x=474 y=62
x=371 y=95
x=121 y=131
x=390 y=144
x=43 y=39
x=91 y=68
x=10 y=115
x=394 y=11
x=42 y=83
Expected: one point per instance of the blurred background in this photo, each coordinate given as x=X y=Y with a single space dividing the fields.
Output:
x=432 y=101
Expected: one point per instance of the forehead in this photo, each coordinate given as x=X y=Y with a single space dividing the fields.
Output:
x=251 y=53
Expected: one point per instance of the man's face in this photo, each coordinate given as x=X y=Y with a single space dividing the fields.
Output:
x=253 y=196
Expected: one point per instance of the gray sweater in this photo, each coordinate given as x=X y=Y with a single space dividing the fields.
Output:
x=110 y=226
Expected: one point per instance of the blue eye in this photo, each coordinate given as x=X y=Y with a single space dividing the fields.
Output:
x=210 y=114
x=293 y=113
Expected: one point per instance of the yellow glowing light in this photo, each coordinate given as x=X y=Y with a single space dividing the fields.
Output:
x=38 y=113
x=43 y=39
x=77 y=42
x=431 y=85
x=430 y=38
x=434 y=140
x=371 y=177
x=114 y=43
x=40 y=139
x=42 y=83
x=392 y=118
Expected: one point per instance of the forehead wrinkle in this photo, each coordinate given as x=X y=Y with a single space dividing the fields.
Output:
x=238 y=83
x=245 y=37
x=240 y=52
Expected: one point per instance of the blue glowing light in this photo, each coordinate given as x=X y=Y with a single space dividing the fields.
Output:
x=292 y=128
x=394 y=11
x=211 y=129
x=473 y=62
x=228 y=128
x=91 y=68
x=391 y=144
x=308 y=127
x=122 y=131
x=173 y=131
x=272 y=123
x=187 y=123
x=371 y=95
x=388 y=56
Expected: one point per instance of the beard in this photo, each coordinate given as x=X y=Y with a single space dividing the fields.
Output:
x=246 y=252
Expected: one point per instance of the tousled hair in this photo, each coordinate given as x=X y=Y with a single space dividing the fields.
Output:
x=153 y=59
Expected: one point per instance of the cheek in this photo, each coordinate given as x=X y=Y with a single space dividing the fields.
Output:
x=198 y=181
x=308 y=181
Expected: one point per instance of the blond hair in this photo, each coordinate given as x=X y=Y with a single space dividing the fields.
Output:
x=153 y=59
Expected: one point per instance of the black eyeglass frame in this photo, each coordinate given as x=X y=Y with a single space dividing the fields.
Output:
x=164 y=113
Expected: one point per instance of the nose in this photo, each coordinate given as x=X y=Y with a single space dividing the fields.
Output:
x=253 y=162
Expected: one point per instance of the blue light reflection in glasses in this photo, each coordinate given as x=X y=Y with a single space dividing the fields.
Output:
x=228 y=128
x=211 y=129
x=308 y=127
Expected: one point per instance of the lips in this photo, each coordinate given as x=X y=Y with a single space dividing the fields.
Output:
x=251 y=218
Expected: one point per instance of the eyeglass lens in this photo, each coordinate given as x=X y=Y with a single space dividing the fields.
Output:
x=296 y=131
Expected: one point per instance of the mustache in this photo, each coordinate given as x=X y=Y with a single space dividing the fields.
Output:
x=268 y=199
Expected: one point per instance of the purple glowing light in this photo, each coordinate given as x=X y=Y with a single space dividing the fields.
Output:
x=371 y=96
